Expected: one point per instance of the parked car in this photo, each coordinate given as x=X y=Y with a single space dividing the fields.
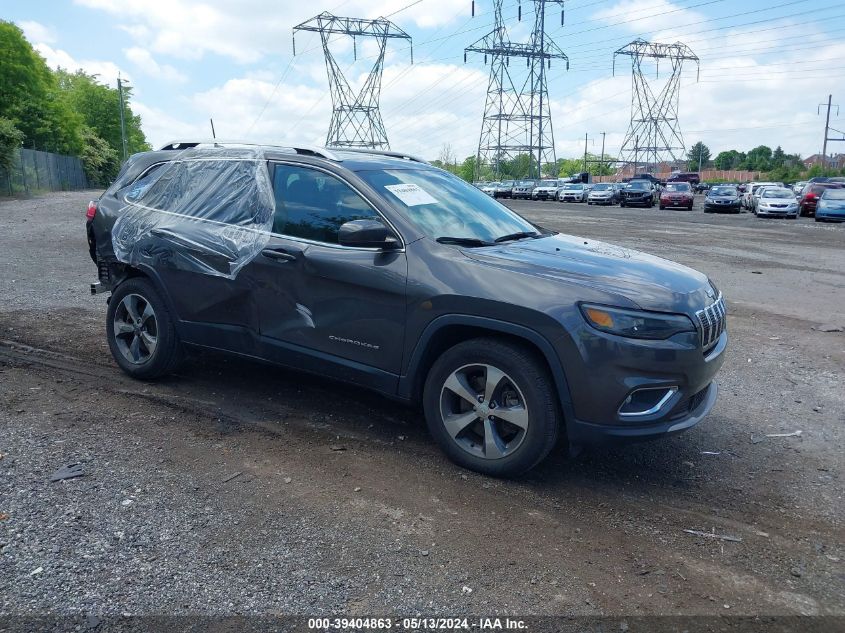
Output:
x=691 y=177
x=640 y=193
x=811 y=194
x=831 y=205
x=603 y=193
x=701 y=187
x=749 y=199
x=490 y=188
x=504 y=189
x=777 y=202
x=722 y=199
x=798 y=187
x=523 y=189
x=573 y=192
x=654 y=180
x=677 y=194
x=380 y=270
x=546 y=190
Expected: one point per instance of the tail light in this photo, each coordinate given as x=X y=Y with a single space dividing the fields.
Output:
x=92 y=210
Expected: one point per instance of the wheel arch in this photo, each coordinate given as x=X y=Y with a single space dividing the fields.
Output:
x=449 y=330
x=119 y=272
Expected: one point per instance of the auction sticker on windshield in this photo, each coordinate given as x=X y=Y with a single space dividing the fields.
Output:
x=411 y=194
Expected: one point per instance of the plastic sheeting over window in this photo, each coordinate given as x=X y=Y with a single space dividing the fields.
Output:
x=207 y=211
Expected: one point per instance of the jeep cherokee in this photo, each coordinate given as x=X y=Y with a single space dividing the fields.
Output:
x=378 y=269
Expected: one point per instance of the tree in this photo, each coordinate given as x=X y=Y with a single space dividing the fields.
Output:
x=30 y=99
x=447 y=155
x=99 y=107
x=778 y=157
x=698 y=156
x=10 y=141
x=100 y=160
x=729 y=159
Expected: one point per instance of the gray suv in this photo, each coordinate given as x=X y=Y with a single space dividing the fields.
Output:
x=380 y=270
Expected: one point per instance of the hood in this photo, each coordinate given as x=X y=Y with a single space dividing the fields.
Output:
x=650 y=282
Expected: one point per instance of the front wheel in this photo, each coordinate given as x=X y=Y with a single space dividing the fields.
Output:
x=141 y=333
x=491 y=407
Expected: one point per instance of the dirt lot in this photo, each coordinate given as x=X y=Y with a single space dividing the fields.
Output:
x=241 y=488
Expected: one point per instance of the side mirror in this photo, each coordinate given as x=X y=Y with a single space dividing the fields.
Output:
x=366 y=234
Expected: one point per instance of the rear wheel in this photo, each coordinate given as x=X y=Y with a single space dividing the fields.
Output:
x=141 y=333
x=491 y=407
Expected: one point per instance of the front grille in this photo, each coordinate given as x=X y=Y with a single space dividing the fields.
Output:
x=688 y=405
x=713 y=320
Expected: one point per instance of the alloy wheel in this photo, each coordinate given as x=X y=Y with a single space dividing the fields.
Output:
x=484 y=411
x=135 y=329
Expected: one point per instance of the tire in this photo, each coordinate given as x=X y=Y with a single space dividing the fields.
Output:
x=522 y=379
x=661 y=207
x=148 y=346
x=689 y=208
x=622 y=204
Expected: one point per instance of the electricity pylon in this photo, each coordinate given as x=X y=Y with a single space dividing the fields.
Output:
x=654 y=134
x=517 y=118
x=356 y=120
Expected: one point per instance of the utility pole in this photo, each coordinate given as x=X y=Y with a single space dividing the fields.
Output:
x=517 y=118
x=356 y=119
x=585 y=150
x=213 y=133
x=654 y=117
x=827 y=128
x=601 y=164
x=122 y=116
x=700 y=150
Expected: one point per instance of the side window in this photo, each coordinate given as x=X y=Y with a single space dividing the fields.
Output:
x=312 y=204
x=138 y=187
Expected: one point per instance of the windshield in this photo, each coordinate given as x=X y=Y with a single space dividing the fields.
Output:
x=778 y=193
x=638 y=184
x=526 y=183
x=602 y=187
x=549 y=183
x=834 y=194
x=507 y=183
x=677 y=186
x=443 y=205
x=724 y=191
x=573 y=187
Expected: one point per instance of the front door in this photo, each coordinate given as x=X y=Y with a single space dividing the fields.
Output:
x=329 y=308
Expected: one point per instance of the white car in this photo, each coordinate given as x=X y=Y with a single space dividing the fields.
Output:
x=776 y=201
x=546 y=190
x=573 y=192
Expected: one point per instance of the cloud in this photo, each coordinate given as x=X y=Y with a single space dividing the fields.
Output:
x=640 y=16
x=145 y=62
x=248 y=30
x=37 y=33
x=106 y=71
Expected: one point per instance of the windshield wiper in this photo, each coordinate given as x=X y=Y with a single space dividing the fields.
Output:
x=516 y=236
x=463 y=241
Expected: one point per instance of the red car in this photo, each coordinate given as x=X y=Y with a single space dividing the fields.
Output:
x=811 y=194
x=676 y=194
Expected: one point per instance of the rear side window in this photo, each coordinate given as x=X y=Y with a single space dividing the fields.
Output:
x=312 y=204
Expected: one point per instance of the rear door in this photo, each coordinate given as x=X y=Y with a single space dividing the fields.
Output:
x=334 y=308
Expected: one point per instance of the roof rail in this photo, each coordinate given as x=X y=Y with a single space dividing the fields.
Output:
x=382 y=152
x=305 y=150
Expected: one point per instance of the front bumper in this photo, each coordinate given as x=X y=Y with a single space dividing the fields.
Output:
x=679 y=203
x=638 y=201
x=582 y=433
x=603 y=370
x=835 y=215
x=715 y=206
x=774 y=213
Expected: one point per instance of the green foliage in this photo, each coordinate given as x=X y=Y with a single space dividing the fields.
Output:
x=728 y=160
x=30 y=98
x=99 y=159
x=58 y=111
x=10 y=140
x=99 y=107
x=595 y=165
x=698 y=156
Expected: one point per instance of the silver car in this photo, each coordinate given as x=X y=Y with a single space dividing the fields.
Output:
x=603 y=193
x=776 y=201
x=546 y=190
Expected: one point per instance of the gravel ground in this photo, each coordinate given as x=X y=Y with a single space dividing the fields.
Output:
x=236 y=488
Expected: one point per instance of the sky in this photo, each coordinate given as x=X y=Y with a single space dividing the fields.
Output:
x=765 y=66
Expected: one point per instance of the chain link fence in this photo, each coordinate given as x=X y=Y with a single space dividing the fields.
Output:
x=33 y=171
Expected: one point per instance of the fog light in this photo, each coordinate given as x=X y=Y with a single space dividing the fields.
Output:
x=646 y=401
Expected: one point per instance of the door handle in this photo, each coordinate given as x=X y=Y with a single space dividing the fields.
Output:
x=278 y=254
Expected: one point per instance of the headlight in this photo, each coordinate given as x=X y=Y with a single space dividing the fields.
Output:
x=636 y=323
